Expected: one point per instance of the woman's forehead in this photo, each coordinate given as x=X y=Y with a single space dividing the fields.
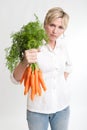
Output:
x=57 y=21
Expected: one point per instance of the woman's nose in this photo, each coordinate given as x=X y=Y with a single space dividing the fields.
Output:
x=55 y=30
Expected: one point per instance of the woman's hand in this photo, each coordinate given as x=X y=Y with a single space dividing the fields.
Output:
x=66 y=75
x=30 y=56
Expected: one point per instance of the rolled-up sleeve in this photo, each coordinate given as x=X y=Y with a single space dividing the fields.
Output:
x=68 y=67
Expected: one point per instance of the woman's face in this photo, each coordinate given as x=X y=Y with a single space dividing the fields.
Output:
x=54 y=29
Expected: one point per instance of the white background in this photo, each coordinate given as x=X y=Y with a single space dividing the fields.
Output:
x=15 y=13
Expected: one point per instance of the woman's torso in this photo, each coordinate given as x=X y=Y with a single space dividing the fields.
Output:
x=56 y=97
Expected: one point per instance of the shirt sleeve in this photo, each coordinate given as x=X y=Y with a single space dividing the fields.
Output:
x=13 y=79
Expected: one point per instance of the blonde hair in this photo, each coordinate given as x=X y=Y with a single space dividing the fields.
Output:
x=55 y=13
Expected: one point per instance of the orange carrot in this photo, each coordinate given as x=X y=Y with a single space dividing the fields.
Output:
x=36 y=80
x=27 y=83
x=25 y=78
x=39 y=88
x=28 y=76
x=32 y=85
x=41 y=80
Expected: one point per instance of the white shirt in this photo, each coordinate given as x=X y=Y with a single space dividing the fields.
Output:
x=53 y=64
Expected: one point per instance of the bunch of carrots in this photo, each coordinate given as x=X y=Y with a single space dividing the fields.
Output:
x=33 y=79
x=27 y=38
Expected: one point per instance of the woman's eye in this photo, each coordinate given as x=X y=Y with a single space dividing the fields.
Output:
x=60 y=27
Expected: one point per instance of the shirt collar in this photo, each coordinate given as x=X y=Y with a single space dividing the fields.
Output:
x=58 y=45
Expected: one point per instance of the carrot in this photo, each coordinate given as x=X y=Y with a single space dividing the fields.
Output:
x=36 y=80
x=32 y=85
x=39 y=88
x=41 y=80
x=28 y=76
x=25 y=78
x=27 y=83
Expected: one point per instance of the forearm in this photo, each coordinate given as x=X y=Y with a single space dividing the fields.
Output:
x=19 y=70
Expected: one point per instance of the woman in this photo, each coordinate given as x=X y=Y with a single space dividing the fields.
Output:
x=53 y=105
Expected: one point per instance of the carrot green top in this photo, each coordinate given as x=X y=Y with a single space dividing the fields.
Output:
x=29 y=36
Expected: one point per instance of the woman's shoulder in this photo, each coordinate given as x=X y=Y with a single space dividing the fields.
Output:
x=61 y=43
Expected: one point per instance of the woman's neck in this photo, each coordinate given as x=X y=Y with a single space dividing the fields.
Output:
x=52 y=44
